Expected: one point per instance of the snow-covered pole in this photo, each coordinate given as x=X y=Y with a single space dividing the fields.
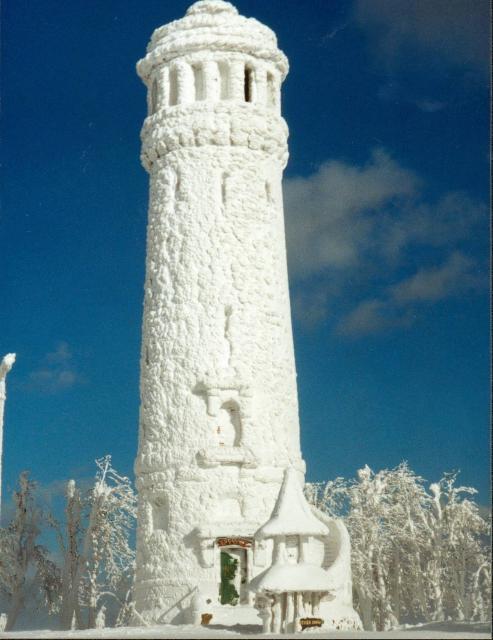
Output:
x=5 y=367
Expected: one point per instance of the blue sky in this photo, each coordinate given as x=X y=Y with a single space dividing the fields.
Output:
x=386 y=196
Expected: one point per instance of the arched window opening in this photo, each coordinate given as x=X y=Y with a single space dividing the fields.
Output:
x=228 y=425
x=271 y=89
x=199 y=82
x=224 y=80
x=248 y=84
x=292 y=549
x=154 y=97
x=173 y=86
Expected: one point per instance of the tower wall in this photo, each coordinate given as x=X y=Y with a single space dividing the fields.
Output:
x=219 y=412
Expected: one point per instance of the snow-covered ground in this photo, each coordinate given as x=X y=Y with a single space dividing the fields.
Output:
x=455 y=630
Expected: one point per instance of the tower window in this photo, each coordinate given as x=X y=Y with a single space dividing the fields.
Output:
x=224 y=190
x=225 y=91
x=198 y=78
x=228 y=427
x=248 y=84
x=271 y=89
x=153 y=97
x=173 y=86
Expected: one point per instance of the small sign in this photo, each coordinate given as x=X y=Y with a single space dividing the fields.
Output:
x=307 y=623
x=234 y=542
x=206 y=618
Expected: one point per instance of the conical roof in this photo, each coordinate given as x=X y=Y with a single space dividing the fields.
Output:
x=292 y=515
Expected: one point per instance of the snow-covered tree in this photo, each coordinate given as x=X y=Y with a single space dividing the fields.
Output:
x=98 y=558
x=417 y=554
x=69 y=537
x=461 y=528
x=25 y=567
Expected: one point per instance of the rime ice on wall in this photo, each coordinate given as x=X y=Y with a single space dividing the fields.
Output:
x=219 y=413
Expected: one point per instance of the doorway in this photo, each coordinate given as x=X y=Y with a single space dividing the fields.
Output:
x=234 y=576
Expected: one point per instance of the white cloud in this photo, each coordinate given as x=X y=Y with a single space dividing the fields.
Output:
x=397 y=308
x=452 y=31
x=373 y=316
x=62 y=353
x=310 y=307
x=57 y=371
x=442 y=223
x=456 y=275
x=346 y=216
x=398 y=93
x=353 y=229
x=331 y=214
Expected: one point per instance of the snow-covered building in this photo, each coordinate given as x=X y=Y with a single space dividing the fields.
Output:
x=292 y=587
x=219 y=411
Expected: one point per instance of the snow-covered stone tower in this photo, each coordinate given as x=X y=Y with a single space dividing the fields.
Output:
x=219 y=411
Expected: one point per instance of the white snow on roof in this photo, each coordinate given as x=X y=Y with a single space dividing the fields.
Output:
x=211 y=6
x=292 y=515
x=282 y=578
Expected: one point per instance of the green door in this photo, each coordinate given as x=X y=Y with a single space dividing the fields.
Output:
x=227 y=589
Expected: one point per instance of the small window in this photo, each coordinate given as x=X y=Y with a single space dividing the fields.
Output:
x=224 y=190
x=173 y=86
x=198 y=78
x=225 y=90
x=248 y=84
x=177 y=185
x=228 y=425
x=271 y=89
x=153 y=97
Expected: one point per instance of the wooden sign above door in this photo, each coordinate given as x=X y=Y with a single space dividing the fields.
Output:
x=234 y=542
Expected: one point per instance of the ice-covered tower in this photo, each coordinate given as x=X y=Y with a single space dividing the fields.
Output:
x=219 y=411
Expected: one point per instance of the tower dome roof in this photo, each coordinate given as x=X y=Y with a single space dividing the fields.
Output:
x=212 y=25
x=211 y=6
